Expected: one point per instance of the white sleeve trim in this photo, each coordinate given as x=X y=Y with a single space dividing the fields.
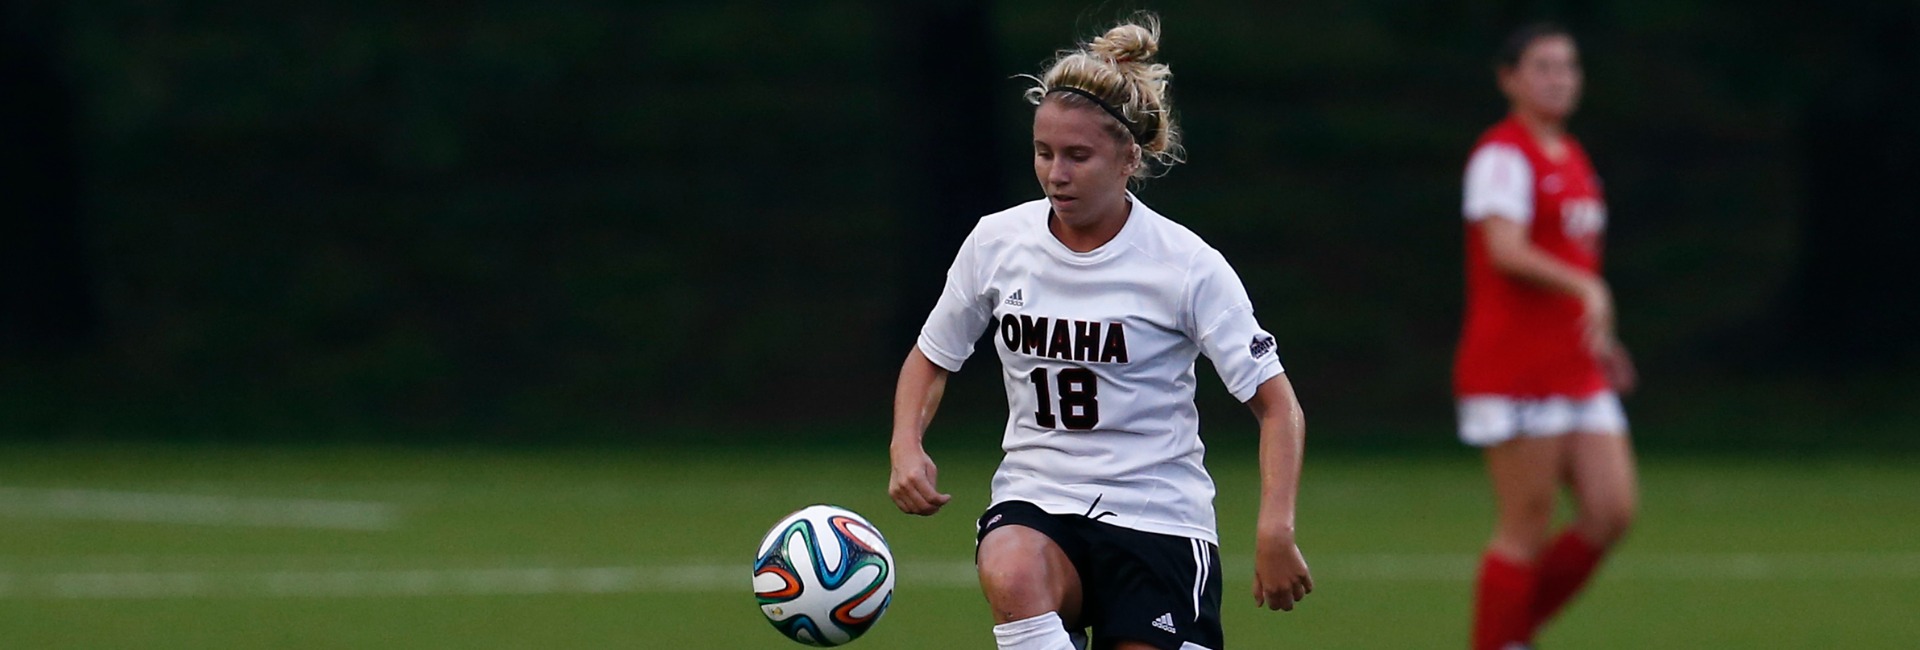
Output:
x=947 y=361
x=1246 y=391
x=958 y=318
x=1268 y=366
x=1499 y=183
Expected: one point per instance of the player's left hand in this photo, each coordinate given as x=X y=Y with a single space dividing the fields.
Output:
x=1280 y=574
x=1617 y=365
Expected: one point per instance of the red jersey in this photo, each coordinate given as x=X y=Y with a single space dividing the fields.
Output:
x=1522 y=340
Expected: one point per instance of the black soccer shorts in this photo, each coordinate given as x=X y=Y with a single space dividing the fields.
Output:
x=1163 y=590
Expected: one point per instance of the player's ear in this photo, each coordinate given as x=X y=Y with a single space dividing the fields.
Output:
x=1504 y=77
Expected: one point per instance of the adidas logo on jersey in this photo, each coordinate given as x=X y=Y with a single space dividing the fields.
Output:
x=1016 y=300
x=1165 y=623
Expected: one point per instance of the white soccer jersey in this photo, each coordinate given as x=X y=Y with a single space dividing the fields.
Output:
x=1098 y=351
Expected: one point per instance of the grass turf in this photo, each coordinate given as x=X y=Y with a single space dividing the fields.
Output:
x=1728 y=553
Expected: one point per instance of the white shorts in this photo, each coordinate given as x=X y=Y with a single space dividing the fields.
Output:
x=1488 y=420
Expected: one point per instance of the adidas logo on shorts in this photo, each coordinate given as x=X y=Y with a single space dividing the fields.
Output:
x=1165 y=623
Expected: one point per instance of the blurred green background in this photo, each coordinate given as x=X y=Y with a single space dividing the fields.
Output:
x=542 y=311
x=521 y=222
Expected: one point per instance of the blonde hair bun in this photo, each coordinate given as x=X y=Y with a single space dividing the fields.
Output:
x=1115 y=73
x=1128 y=43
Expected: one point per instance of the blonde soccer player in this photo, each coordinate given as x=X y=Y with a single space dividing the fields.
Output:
x=1539 y=370
x=1102 y=511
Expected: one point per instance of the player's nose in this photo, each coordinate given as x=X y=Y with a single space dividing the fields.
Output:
x=1058 y=175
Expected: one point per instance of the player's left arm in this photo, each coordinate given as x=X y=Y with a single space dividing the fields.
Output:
x=1222 y=323
x=1280 y=574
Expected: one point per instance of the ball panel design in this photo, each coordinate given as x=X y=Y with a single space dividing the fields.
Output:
x=824 y=575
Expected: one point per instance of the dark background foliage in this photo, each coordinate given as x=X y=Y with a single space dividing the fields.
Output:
x=506 y=221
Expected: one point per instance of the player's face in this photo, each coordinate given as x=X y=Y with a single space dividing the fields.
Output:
x=1546 y=82
x=1082 y=167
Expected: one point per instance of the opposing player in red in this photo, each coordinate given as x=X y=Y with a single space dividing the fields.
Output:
x=1539 y=369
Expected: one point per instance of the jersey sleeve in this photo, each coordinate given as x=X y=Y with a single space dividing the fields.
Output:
x=1221 y=320
x=961 y=314
x=1499 y=182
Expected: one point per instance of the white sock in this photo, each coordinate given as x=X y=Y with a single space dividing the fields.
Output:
x=1043 y=632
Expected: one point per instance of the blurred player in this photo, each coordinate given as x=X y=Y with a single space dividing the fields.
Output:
x=1102 y=513
x=1538 y=365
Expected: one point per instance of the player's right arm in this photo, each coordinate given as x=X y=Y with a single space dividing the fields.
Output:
x=946 y=340
x=1499 y=201
x=1511 y=253
x=913 y=484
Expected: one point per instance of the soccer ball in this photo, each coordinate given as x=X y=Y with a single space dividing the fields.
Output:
x=824 y=575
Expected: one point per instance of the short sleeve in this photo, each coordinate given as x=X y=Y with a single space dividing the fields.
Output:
x=961 y=314
x=1223 y=325
x=1499 y=182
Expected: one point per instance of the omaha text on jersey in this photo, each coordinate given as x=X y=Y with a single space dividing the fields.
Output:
x=1061 y=338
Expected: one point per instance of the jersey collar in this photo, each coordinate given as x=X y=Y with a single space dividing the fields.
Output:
x=1120 y=242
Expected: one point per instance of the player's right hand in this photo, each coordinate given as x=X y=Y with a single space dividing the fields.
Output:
x=912 y=483
x=1617 y=365
x=1596 y=317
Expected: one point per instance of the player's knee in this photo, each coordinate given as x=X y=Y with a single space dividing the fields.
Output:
x=1524 y=529
x=1011 y=578
x=1605 y=524
x=1014 y=597
x=1020 y=582
x=1531 y=515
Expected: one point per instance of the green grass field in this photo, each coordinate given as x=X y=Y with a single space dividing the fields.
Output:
x=201 y=547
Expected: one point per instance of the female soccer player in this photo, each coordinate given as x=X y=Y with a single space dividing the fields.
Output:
x=1538 y=365
x=1102 y=513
